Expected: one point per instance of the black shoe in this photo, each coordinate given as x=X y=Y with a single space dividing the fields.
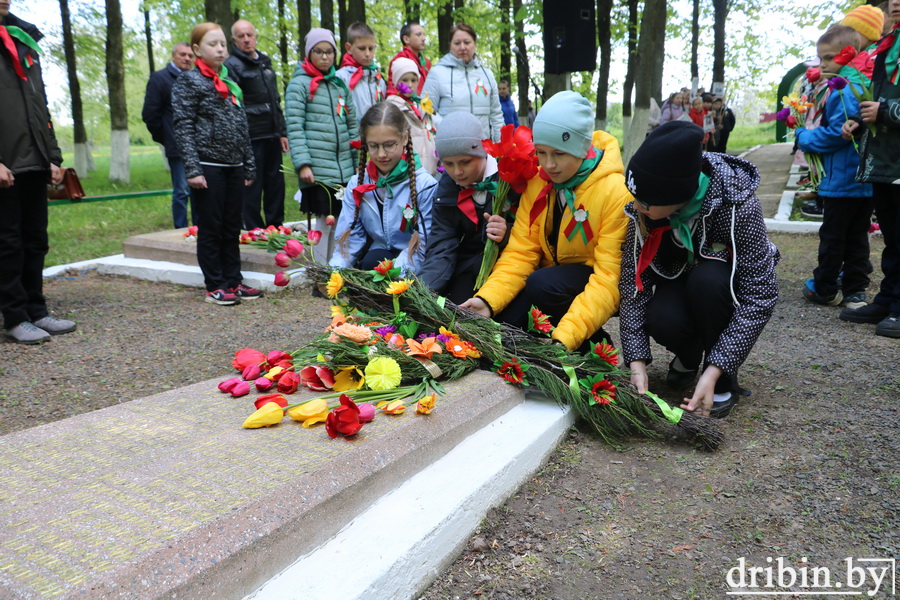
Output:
x=720 y=410
x=317 y=294
x=889 y=327
x=870 y=313
x=813 y=212
x=680 y=379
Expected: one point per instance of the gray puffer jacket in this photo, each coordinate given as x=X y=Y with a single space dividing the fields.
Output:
x=319 y=137
x=729 y=228
x=208 y=127
x=456 y=86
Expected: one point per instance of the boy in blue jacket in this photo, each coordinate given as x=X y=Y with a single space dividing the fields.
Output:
x=848 y=205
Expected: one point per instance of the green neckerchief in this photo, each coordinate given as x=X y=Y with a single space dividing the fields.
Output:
x=587 y=167
x=234 y=88
x=371 y=67
x=488 y=185
x=679 y=220
x=398 y=174
x=26 y=39
x=422 y=60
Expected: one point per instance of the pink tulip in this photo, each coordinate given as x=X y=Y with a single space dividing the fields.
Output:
x=293 y=248
x=282 y=279
x=262 y=384
x=314 y=237
x=276 y=355
x=282 y=260
x=330 y=220
x=241 y=389
x=250 y=372
x=227 y=385
x=366 y=412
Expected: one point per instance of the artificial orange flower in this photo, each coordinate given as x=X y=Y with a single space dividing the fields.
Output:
x=462 y=349
x=425 y=348
x=426 y=404
x=354 y=333
x=394 y=407
x=398 y=287
x=336 y=319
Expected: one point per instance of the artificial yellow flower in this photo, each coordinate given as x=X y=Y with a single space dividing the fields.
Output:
x=310 y=413
x=383 y=373
x=426 y=404
x=336 y=309
x=335 y=284
x=398 y=287
x=395 y=407
x=270 y=414
x=446 y=332
x=348 y=378
x=792 y=99
x=426 y=104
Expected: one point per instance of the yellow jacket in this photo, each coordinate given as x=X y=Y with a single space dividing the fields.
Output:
x=604 y=196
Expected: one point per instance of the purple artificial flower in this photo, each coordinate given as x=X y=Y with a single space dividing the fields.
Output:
x=403 y=88
x=783 y=114
x=443 y=338
x=386 y=330
x=422 y=336
x=837 y=83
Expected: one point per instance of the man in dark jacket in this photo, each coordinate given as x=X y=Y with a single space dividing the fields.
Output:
x=252 y=70
x=29 y=157
x=157 y=115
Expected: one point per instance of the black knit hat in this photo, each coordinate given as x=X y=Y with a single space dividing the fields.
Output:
x=666 y=168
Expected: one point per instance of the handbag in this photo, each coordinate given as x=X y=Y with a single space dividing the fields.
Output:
x=68 y=189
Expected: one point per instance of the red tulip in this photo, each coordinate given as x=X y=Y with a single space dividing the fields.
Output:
x=293 y=248
x=846 y=55
x=330 y=220
x=288 y=383
x=276 y=355
x=241 y=388
x=314 y=236
x=276 y=398
x=282 y=279
x=813 y=74
x=251 y=372
x=282 y=260
x=791 y=122
x=318 y=379
x=247 y=356
x=263 y=383
x=343 y=420
x=227 y=385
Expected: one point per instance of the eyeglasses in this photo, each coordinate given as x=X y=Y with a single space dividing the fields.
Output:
x=318 y=52
x=387 y=146
x=642 y=204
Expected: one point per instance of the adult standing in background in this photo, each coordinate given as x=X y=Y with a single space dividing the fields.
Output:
x=460 y=81
x=510 y=117
x=157 y=115
x=252 y=71
x=29 y=157
x=412 y=36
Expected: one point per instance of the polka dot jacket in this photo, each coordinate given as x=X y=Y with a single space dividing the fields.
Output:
x=728 y=228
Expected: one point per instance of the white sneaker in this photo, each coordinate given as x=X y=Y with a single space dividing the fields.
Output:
x=55 y=326
x=27 y=333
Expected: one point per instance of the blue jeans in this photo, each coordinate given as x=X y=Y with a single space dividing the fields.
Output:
x=181 y=195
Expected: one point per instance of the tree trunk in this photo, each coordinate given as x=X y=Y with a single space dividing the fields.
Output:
x=720 y=14
x=219 y=11
x=412 y=9
x=650 y=48
x=327 y=10
x=149 y=34
x=632 y=63
x=82 y=152
x=343 y=24
x=523 y=71
x=505 y=41
x=444 y=23
x=695 y=43
x=283 y=45
x=304 y=23
x=604 y=38
x=118 y=109
x=356 y=11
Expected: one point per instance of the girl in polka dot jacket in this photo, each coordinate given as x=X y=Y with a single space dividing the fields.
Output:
x=698 y=270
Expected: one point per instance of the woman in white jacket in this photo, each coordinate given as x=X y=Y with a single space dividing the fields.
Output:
x=460 y=82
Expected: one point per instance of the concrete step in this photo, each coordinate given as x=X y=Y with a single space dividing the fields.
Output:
x=168 y=496
x=171 y=246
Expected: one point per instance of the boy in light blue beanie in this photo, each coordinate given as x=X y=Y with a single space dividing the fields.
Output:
x=564 y=251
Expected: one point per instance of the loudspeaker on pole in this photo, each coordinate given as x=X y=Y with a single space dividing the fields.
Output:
x=570 y=36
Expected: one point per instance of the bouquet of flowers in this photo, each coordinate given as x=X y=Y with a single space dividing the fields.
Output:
x=794 y=115
x=516 y=164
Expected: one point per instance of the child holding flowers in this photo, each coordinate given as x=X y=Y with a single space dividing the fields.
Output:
x=462 y=208
x=387 y=208
x=565 y=247
x=405 y=79
x=844 y=234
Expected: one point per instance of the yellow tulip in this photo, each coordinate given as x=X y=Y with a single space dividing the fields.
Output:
x=394 y=408
x=274 y=373
x=310 y=413
x=426 y=404
x=270 y=414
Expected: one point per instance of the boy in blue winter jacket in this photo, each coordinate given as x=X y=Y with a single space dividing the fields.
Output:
x=848 y=205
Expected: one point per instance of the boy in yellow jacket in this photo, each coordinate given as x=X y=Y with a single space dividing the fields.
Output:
x=565 y=248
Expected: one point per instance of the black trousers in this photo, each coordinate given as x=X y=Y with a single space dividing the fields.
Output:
x=23 y=246
x=267 y=188
x=844 y=245
x=219 y=221
x=887 y=208
x=552 y=290
x=371 y=258
x=688 y=314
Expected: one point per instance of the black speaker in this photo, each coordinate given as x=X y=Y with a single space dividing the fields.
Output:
x=570 y=36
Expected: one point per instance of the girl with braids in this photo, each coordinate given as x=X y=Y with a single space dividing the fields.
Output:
x=386 y=210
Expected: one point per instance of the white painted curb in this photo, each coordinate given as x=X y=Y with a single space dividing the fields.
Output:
x=402 y=542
